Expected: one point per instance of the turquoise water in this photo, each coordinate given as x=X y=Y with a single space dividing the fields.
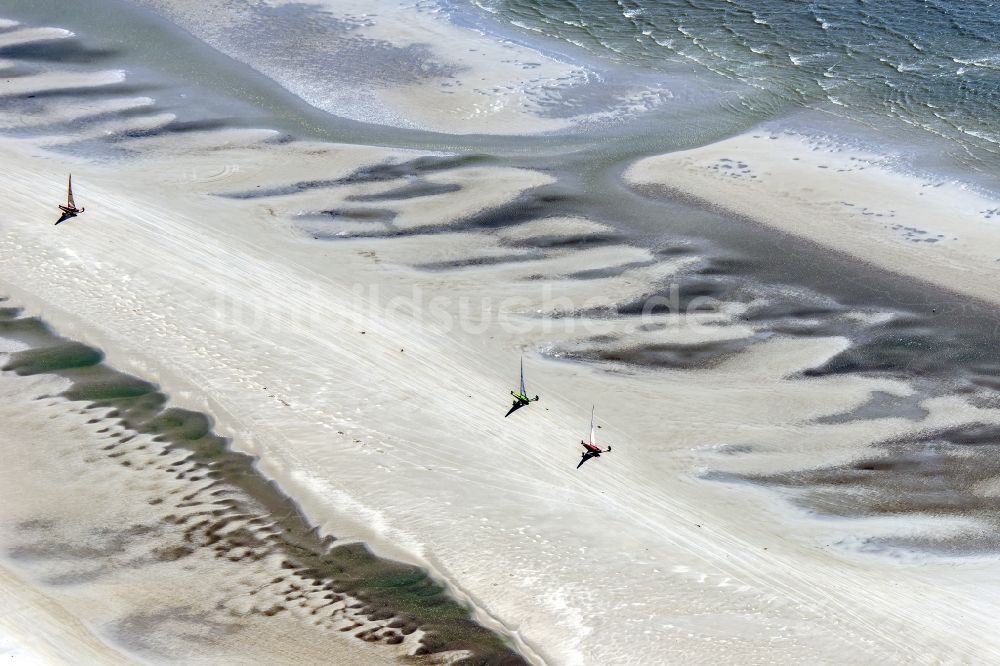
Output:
x=916 y=70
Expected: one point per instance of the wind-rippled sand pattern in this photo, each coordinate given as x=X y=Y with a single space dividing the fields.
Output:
x=187 y=547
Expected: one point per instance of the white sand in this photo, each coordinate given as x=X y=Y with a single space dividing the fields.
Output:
x=49 y=80
x=846 y=199
x=36 y=629
x=492 y=85
x=26 y=35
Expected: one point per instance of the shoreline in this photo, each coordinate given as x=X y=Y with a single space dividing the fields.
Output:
x=931 y=230
x=459 y=85
x=394 y=602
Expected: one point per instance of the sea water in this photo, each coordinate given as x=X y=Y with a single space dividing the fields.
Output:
x=919 y=74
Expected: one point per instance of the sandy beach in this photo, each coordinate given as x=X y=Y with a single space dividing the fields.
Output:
x=448 y=78
x=856 y=202
x=333 y=328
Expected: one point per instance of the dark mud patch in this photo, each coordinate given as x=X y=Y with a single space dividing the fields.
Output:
x=679 y=249
x=412 y=168
x=409 y=191
x=566 y=241
x=661 y=355
x=727 y=266
x=609 y=271
x=882 y=405
x=283 y=190
x=83 y=122
x=474 y=262
x=528 y=207
x=97 y=90
x=18 y=70
x=387 y=171
x=689 y=294
x=911 y=347
x=949 y=473
x=535 y=204
x=804 y=315
x=178 y=127
x=781 y=310
x=63 y=51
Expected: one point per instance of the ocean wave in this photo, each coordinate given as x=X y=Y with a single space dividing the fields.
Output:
x=982 y=134
x=823 y=23
x=903 y=67
x=991 y=63
x=808 y=58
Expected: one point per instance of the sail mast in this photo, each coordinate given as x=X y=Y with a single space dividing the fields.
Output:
x=593 y=437
x=69 y=193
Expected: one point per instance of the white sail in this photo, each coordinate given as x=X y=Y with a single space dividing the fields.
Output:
x=524 y=391
x=69 y=193
x=593 y=435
